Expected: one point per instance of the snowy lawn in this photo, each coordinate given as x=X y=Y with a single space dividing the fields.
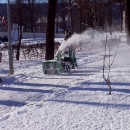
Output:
x=79 y=100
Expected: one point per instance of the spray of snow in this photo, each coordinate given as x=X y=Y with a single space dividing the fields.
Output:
x=88 y=37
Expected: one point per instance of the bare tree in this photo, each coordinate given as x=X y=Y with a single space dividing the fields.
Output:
x=31 y=4
x=107 y=62
x=121 y=14
x=18 y=17
x=33 y=11
x=68 y=14
x=128 y=20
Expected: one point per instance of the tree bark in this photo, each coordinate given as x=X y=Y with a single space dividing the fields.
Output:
x=50 y=32
x=20 y=23
x=19 y=43
x=121 y=15
x=110 y=16
x=63 y=15
x=71 y=19
x=79 y=11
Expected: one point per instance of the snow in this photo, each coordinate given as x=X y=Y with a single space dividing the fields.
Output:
x=78 y=100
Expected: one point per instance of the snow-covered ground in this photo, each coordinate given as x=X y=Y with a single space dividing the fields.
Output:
x=79 y=100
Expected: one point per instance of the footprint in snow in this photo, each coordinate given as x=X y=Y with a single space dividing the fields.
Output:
x=4 y=118
x=21 y=112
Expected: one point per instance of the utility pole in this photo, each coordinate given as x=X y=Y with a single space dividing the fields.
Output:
x=11 y=71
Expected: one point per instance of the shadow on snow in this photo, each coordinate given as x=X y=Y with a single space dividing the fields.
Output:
x=98 y=104
x=12 y=103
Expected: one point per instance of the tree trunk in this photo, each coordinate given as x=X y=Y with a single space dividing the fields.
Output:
x=20 y=22
x=63 y=15
x=50 y=29
x=19 y=43
x=121 y=16
x=110 y=16
x=128 y=20
x=71 y=19
x=56 y=25
x=79 y=11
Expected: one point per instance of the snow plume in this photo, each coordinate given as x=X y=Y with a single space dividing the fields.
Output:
x=88 y=37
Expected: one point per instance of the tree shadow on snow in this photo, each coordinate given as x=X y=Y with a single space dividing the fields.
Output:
x=103 y=89
x=98 y=104
x=103 y=83
x=12 y=103
x=15 y=81
x=26 y=90
x=4 y=71
x=40 y=85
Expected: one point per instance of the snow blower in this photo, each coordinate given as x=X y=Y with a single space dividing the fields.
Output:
x=63 y=62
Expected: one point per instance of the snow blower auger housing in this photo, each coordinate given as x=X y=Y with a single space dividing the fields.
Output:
x=51 y=67
x=63 y=63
